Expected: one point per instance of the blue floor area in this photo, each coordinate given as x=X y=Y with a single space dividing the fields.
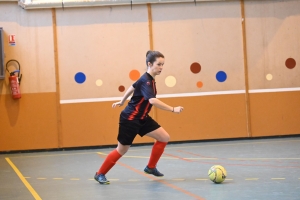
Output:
x=256 y=169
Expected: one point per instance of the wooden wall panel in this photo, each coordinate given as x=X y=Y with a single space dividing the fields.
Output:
x=28 y=123
x=33 y=49
x=210 y=34
x=273 y=36
x=104 y=43
x=91 y=124
x=207 y=117
x=275 y=113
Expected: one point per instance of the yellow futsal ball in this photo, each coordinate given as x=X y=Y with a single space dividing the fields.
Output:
x=217 y=174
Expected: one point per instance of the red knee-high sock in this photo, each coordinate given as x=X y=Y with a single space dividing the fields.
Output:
x=157 y=150
x=109 y=161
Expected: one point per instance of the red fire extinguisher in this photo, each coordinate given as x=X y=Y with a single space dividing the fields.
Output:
x=15 y=81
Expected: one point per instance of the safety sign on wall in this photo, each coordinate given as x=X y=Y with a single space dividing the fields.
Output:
x=12 y=40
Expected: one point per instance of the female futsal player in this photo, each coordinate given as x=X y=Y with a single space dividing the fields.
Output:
x=134 y=119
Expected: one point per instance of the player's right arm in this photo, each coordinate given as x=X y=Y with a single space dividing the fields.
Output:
x=126 y=95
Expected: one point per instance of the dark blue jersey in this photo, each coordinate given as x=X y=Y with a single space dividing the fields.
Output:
x=139 y=106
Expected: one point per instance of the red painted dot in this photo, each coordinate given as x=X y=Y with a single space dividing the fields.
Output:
x=195 y=68
x=290 y=63
x=121 y=88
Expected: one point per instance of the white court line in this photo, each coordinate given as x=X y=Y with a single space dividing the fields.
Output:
x=275 y=90
x=214 y=145
x=134 y=149
x=263 y=158
x=158 y=96
x=196 y=94
x=193 y=94
x=90 y=100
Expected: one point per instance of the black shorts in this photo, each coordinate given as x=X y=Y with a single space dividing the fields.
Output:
x=128 y=129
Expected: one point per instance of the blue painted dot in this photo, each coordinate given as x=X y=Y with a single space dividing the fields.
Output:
x=80 y=77
x=221 y=76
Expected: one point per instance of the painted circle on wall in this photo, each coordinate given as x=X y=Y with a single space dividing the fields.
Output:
x=170 y=81
x=195 y=68
x=121 y=88
x=134 y=75
x=80 y=77
x=269 y=77
x=290 y=63
x=199 y=84
x=221 y=76
x=99 y=82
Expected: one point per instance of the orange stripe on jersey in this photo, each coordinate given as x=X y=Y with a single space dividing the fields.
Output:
x=154 y=87
x=133 y=114
x=146 y=110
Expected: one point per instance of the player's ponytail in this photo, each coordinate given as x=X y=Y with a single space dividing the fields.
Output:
x=152 y=55
x=148 y=53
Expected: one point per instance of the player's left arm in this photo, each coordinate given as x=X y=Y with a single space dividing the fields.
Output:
x=148 y=91
x=161 y=105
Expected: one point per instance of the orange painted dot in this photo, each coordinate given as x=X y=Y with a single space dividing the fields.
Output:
x=199 y=84
x=134 y=75
x=121 y=88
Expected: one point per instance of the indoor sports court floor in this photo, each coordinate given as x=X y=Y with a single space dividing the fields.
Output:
x=257 y=169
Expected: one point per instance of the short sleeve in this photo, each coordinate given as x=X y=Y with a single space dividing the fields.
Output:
x=147 y=89
x=135 y=84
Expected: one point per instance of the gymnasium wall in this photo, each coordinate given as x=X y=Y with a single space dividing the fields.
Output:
x=77 y=61
x=31 y=122
x=273 y=42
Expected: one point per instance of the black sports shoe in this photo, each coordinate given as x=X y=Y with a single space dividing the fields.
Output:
x=153 y=171
x=101 y=179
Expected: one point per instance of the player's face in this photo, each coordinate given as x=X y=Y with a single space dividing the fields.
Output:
x=157 y=66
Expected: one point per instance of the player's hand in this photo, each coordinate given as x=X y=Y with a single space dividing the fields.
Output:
x=117 y=104
x=178 y=109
